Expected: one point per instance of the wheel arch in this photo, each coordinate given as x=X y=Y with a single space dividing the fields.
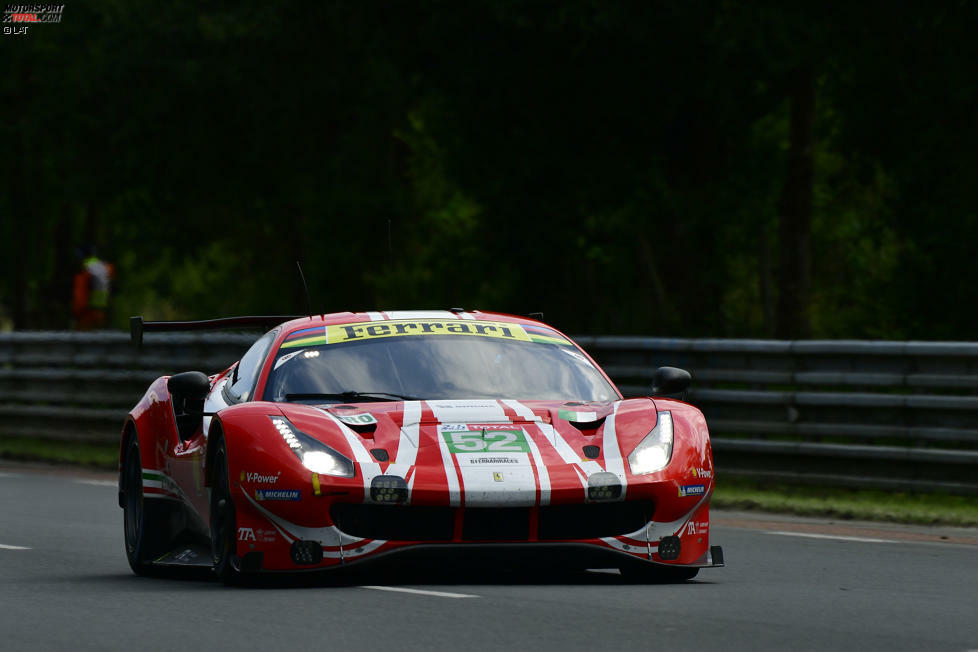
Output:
x=128 y=430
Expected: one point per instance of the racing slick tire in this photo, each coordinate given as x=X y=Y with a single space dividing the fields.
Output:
x=145 y=522
x=222 y=525
x=648 y=574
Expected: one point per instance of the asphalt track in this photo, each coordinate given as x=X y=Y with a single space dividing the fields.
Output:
x=790 y=584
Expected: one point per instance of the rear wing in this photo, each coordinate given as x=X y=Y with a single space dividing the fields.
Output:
x=137 y=326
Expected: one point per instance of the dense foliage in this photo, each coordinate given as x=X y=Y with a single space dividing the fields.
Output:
x=667 y=168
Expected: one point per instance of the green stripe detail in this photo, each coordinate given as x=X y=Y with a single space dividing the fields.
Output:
x=306 y=341
x=543 y=339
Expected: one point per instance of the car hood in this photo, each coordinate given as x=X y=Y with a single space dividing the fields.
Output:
x=614 y=427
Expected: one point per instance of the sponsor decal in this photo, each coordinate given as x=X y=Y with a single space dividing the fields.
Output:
x=469 y=411
x=285 y=358
x=697 y=527
x=483 y=441
x=338 y=334
x=259 y=478
x=694 y=528
x=497 y=476
x=265 y=536
x=701 y=473
x=246 y=534
x=454 y=427
x=170 y=485
x=278 y=494
x=692 y=490
x=186 y=555
x=364 y=419
x=495 y=460
x=258 y=536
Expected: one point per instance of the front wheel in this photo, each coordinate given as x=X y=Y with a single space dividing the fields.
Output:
x=144 y=522
x=223 y=530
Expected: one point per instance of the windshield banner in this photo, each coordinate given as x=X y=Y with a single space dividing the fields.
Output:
x=341 y=333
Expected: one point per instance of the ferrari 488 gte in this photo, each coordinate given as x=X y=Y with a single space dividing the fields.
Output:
x=340 y=438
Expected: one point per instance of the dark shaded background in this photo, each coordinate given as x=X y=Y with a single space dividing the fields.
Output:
x=680 y=168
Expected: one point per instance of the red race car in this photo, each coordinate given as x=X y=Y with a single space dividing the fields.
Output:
x=340 y=438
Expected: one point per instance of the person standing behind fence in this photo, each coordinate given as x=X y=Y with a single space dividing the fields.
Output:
x=90 y=295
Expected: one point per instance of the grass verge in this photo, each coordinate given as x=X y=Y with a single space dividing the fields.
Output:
x=87 y=454
x=731 y=493
x=840 y=503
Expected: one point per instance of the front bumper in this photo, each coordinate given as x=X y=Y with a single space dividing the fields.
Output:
x=352 y=532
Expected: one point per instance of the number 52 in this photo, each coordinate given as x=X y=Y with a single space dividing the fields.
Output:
x=497 y=441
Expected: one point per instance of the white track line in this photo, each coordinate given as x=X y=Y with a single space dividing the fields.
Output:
x=99 y=483
x=3 y=547
x=437 y=594
x=836 y=537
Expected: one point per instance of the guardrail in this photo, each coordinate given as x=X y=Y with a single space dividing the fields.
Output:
x=892 y=415
x=79 y=386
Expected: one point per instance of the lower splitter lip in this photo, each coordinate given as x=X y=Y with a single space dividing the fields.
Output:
x=509 y=556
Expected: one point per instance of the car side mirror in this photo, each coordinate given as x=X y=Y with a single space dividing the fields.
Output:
x=670 y=380
x=192 y=385
x=188 y=390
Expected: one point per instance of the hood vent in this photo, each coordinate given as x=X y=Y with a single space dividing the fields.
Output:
x=586 y=417
x=587 y=421
x=588 y=427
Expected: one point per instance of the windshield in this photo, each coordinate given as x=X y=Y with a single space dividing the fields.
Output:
x=434 y=366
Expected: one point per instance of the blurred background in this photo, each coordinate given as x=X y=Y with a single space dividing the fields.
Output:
x=661 y=168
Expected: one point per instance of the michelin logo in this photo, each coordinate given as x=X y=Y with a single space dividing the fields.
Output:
x=692 y=490
x=278 y=494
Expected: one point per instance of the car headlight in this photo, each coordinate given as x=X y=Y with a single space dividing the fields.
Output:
x=314 y=454
x=655 y=451
x=327 y=462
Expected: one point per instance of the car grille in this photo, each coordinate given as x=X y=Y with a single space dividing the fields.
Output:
x=555 y=522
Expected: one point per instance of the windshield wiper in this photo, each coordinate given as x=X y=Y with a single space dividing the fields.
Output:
x=350 y=396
